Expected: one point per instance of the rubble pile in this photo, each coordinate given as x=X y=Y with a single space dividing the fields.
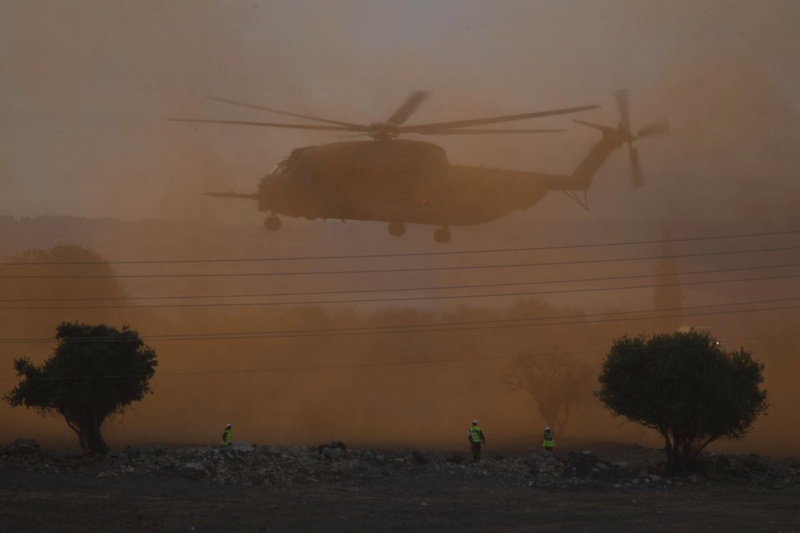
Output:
x=246 y=464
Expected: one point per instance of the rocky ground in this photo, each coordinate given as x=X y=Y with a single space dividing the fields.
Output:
x=331 y=487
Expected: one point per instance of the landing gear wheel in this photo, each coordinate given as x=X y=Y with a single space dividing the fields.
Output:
x=442 y=235
x=398 y=229
x=272 y=223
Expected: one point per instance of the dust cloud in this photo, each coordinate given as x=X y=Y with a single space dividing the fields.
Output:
x=286 y=370
x=86 y=159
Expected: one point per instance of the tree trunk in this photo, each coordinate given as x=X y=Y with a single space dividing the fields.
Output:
x=90 y=434
x=672 y=448
x=681 y=453
x=75 y=426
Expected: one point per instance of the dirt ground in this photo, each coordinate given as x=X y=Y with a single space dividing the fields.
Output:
x=393 y=496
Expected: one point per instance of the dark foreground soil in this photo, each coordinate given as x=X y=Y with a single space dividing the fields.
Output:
x=83 y=496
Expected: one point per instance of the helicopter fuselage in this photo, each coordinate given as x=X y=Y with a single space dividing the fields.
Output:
x=393 y=181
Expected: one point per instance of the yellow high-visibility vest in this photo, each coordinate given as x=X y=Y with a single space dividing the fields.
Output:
x=475 y=434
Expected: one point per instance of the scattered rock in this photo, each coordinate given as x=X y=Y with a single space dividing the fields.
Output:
x=243 y=463
x=24 y=447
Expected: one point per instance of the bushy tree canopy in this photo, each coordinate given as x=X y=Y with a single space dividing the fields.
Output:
x=95 y=371
x=686 y=387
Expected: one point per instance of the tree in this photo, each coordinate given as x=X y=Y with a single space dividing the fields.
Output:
x=91 y=274
x=43 y=282
x=686 y=387
x=557 y=382
x=95 y=371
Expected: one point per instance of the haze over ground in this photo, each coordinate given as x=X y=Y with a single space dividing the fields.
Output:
x=86 y=86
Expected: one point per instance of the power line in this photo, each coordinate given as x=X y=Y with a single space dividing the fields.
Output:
x=401 y=299
x=410 y=254
x=396 y=270
x=566 y=320
x=368 y=291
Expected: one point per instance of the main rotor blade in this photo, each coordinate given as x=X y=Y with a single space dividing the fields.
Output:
x=279 y=112
x=425 y=128
x=595 y=126
x=623 y=106
x=655 y=129
x=408 y=107
x=482 y=132
x=271 y=124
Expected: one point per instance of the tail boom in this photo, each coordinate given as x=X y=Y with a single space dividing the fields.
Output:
x=581 y=178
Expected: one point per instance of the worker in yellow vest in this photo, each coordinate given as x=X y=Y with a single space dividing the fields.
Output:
x=227 y=437
x=476 y=439
x=549 y=439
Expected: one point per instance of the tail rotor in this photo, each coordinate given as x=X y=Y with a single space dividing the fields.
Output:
x=652 y=130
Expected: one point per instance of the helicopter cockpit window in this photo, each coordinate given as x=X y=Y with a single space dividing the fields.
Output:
x=279 y=169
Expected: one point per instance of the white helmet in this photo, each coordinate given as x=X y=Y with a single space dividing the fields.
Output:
x=547 y=428
x=475 y=421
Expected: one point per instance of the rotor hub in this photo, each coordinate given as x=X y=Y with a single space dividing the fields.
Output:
x=383 y=131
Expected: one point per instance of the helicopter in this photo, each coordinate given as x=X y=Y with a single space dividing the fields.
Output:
x=399 y=181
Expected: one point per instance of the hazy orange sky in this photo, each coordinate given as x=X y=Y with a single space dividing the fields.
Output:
x=86 y=84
